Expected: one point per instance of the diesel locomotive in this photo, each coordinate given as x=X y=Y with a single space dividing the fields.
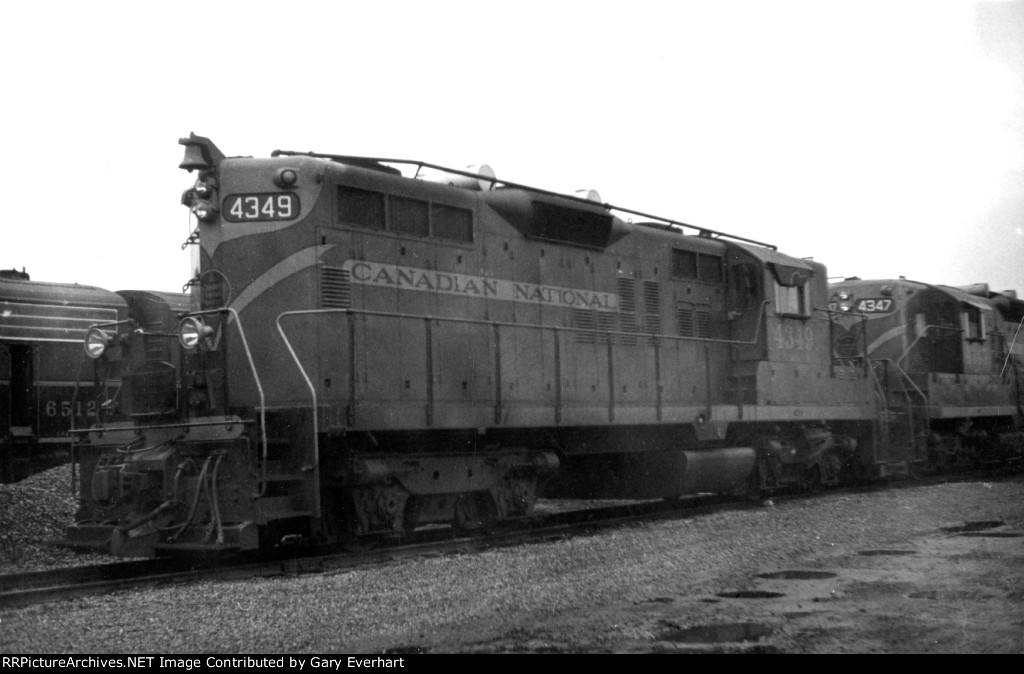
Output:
x=946 y=363
x=380 y=344
x=49 y=389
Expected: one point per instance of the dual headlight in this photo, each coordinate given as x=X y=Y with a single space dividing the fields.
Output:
x=194 y=333
x=98 y=341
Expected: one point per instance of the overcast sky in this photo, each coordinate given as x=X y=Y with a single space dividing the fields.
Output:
x=881 y=138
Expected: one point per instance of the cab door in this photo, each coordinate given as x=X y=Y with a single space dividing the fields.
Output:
x=744 y=308
x=17 y=410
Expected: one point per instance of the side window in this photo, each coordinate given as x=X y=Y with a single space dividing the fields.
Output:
x=415 y=217
x=361 y=208
x=450 y=222
x=710 y=268
x=684 y=264
x=791 y=290
x=409 y=216
x=790 y=300
x=692 y=266
x=973 y=323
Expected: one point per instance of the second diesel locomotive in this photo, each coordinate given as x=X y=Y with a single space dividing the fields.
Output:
x=946 y=362
x=43 y=369
x=373 y=351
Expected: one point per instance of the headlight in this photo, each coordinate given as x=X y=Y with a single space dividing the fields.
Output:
x=286 y=177
x=193 y=332
x=844 y=306
x=97 y=341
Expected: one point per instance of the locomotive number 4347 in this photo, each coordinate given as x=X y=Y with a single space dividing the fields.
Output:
x=869 y=305
x=252 y=207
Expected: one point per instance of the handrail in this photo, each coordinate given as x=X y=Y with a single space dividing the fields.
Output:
x=362 y=161
x=316 y=409
x=556 y=328
x=256 y=379
x=831 y=337
x=922 y=335
x=907 y=379
x=495 y=324
x=1009 y=351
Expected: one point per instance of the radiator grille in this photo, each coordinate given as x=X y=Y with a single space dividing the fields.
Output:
x=335 y=288
x=694 y=320
x=584 y=319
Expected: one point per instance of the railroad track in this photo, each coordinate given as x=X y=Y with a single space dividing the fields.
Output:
x=23 y=589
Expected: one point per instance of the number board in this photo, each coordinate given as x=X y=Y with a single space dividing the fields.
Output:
x=254 y=207
x=874 y=305
x=868 y=305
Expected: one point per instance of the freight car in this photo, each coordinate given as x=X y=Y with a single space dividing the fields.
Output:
x=42 y=366
x=945 y=362
x=372 y=351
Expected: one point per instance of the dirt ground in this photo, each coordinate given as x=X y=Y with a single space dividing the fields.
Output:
x=958 y=591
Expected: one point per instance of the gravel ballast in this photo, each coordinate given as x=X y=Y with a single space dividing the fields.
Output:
x=33 y=515
x=563 y=592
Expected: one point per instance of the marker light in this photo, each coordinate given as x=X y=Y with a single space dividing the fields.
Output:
x=97 y=341
x=192 y=332
x=204 y=211
x=204 y=187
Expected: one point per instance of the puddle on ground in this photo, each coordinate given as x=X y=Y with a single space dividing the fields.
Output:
x=718 y=634
x=877 y=553
x=798 y=575
x=406 y=650
x=992 y=534
x=947 y=595
x=976 y=525
x=750 y=594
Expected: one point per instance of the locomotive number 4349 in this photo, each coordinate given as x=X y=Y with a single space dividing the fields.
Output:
x=253 y=207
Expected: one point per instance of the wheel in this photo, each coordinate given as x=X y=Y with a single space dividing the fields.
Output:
x=756 y=491
x=814 y=479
